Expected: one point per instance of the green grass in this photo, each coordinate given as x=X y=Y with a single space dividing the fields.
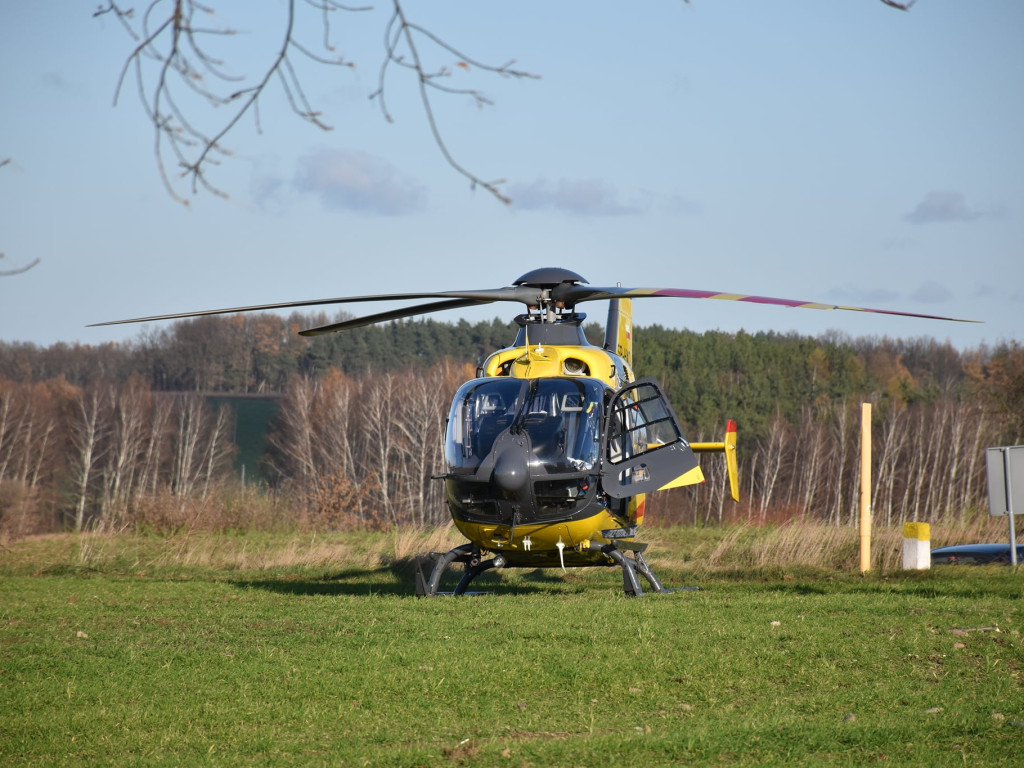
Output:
x=146 y=651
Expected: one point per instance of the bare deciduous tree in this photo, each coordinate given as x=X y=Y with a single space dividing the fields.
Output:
x=293 y=438
x=8 y=435
x=201 y=445
x=325 y=458
x=130 y=420
x=893 y=440
x=88 y=440
x=774 y=452
x=814 y=450
x=152 y=457
x=420 y=422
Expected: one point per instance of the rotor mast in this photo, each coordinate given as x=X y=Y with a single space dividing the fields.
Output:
x=547 y=280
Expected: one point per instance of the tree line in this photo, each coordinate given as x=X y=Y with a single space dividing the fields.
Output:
x=125 y=435
x=255 y=353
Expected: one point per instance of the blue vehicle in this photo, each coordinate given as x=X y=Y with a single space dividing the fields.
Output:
x=976 y=554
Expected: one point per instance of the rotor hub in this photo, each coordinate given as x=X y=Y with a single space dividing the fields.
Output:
x=549 y=277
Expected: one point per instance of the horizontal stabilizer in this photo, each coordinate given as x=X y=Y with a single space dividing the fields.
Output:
x=728 y=447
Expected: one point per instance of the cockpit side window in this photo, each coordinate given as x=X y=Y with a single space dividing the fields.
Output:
x=644 y=448
x=640 y=421
x=482 y=410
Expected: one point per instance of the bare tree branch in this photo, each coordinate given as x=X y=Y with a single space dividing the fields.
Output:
x=174 y=55
x=170 y=37
x=17 y=270
x=400 y=29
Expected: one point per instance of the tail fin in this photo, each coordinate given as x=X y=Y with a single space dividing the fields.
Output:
x=728 y=447
x=731 y=463
x=618 y=332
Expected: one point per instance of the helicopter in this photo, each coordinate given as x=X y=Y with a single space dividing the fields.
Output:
x=552 y=448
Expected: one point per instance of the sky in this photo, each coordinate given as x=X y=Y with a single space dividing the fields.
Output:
x=840 y=152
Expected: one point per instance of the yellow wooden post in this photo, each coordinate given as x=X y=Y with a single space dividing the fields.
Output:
x=865 y=488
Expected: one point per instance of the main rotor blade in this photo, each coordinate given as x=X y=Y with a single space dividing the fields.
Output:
x=419 y=309
x=523 y=294
x=567 y=294
x=573 y=294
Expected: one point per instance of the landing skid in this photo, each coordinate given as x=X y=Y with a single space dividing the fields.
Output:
x=462 y=554
x=470 y=557
x=631 y=566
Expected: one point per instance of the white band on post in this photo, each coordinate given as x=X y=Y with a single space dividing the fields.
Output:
x=916 y=546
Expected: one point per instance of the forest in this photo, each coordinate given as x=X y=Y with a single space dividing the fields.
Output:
x=154 y=432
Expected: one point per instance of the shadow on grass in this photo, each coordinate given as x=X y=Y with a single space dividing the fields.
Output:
x=358 y=582
x=399 y=579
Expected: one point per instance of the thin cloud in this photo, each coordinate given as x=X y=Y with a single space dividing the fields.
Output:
x=849 y=294
x=941 y=206
x=928 y=292
x=897 y=243
x=683 y=206
x=267 y=189
x=356 y=181
x=582 y=197
x=55 y=81
x=931 y=292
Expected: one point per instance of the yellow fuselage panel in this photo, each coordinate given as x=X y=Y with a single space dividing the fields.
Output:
x=535 y=362
x=538 y=544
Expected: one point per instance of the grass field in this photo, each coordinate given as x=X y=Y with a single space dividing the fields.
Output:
x=275 y=650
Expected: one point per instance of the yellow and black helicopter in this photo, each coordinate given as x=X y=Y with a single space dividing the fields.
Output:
x=552 y=448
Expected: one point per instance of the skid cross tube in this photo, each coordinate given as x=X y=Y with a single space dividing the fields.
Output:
x=472 y=571
x=630 y=568
x=470 y=556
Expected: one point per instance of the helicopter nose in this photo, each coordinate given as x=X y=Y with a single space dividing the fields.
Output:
x=510 y=470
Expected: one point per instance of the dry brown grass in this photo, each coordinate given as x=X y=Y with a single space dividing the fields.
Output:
x=305 y=551
x=409 y=542
x=792 y=547
x=222 y=510
x=261 y=553
x=24 y=511
x=191 y=549
x=804 y=545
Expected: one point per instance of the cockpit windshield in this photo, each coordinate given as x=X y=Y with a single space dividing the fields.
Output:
x=483 y=409
x=561 y=417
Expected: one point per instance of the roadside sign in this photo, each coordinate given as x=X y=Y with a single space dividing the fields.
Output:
x=1005 y=480
x=1005 y=467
